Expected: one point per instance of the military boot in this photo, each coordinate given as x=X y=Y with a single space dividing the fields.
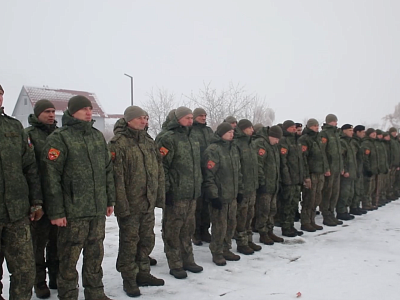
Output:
x=196 y=239
x=205 y=236
x=42 y=291
x=328 y=221
x=246 y=250
x=298 y=232
x=255 y=247
x=107 y=298
x=316 y=226
x=192 y=267
x=52 y=281
x=153 y=261
x=178 y=273
x=146 y=279
x=131 y=288
x=289 y=232
x=308 y=227
x=265 y=239
x=229 y=255
x=338 y=222
x=218 y=259
x=362 y=211
x=355 y=211
x=275 y=238
x=343 y=216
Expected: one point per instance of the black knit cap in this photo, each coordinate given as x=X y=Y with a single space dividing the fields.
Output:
x=379 y=132
x=223 y=128
x=244 y=123
x=275 y=131
x=77 y=103
x=299 y=125
x=359 y=128
x=369 y=131
x=346 y=126
x=41 y=106
x=287 y=124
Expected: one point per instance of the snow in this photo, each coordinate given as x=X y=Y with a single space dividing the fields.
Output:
x=358 y=260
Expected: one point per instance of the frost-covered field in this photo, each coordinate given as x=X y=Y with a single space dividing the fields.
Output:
x=358 y=260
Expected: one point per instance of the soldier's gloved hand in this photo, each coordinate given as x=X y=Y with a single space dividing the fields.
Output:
x=169 y=198
x=239 y=198
x=36 y=213
x=262 y=189
x=216 y=203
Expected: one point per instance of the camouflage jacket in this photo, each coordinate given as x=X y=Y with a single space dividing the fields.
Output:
x=268 y=161
x=248 y=161
x=370 y=157
x=181 y=161
x=138 y=171
x=221 y=168
x=292 y=162
x=383 y=164
x=330 y=137
x=386 y=144
x=77 y=171
x=394 y=152
x=19 y=179
x=315 y=160
x=349 y=153
x=356 y=143
x=203 y=134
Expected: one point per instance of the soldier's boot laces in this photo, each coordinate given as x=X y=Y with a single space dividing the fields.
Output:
x=254 y=246
x=308 y=227
x=192 y=267
x=146 y=279
x=316 y=226
x=205 y=236
x=275 y=238
x=153 y=261
x=218 y=259
x=130 y=288
x=178 y=273
x=246 y=250
x=42 y=291
x=229 y=255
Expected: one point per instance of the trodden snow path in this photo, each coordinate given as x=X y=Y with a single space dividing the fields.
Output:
x=358 y=260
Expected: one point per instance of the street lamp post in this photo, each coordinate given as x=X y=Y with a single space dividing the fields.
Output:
x=131 y=87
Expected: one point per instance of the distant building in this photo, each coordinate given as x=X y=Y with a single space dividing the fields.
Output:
x=30 y=95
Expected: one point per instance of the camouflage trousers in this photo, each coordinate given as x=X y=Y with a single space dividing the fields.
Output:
x=244 y=217
x=16 y=244
x=223 y=224
x=44 y=238
x=384 y=185
x=358 y=192
x=288 y=197
x=311 y=198
x=346 y=194
x=396 y=183
x=202 y=215
x=370 y=188
x=265 y=212
x=87 y=235
x=136 y=241
x=390 y=192
x=330 y=194
x=177 y=229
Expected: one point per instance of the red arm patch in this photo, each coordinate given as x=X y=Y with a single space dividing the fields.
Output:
x=210 y=164
x=324 y=140
x=283 y=151
x=261 y=152
x=367 y=151
x=112 y=156
x=53 y=154
x=164 y=151
x=304 y=148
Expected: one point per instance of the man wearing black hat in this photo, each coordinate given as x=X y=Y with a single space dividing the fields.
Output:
x=299 y=129
x=43 y=123
x=79 y=192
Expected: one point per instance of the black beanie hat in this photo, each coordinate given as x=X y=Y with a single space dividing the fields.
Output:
x=223 y=128
x=244 y=123
x=359 y=128
x=346 y=126
x=41 y=106
x=275 y=131
x=299 y=125
x=369 y=131
x=287 y=124
x=78 y=102
x=378 y=132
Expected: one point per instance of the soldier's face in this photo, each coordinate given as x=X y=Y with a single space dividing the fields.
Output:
x=201 y=119
x=147 y=120
x=234 y=124
x=273 y=140
x=393 y=133
x=333 y=123
x=348 y=132
x=84 y=114
x=314 y=128
x=387 y=138
x=47 y=116
x=373 y=135
x=186 y=120
x=291 y=129
x=249 y=131
x=361 y=134
x=1 y=98
x=138 y=123
x=228 y=136
x=299 y=130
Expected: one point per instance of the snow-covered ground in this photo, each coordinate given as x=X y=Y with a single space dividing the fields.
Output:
x=358 y=260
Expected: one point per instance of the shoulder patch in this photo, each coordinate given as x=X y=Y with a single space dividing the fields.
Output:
x=30 y=143
x=210 y=164
x=164 y=151
x=367 y=151
x=261 y=152
x=324 y=140
x=112 y=155
x=53 y=154
x=303 y=148
x=283 y=151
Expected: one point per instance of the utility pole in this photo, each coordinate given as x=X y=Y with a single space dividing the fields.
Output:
x=131 y=77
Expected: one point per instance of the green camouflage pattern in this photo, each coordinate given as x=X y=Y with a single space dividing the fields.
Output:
x=292 y=162
x=349 y=156
x=370 y=157
x=314 y=153
x=311 y=198
x=383 y=162
x=265 y=211
x=244 y=217
x=330 y=137
x=346 y=194
x=359 y=181
x=203 y=134
x=288 y=198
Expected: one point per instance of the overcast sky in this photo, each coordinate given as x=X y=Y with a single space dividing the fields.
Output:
x=308 y=58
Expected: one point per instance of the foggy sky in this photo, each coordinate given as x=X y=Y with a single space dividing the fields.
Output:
x=308 y=58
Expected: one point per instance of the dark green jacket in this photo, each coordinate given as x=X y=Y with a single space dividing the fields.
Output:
x=356 y=143
x=19 y=179
x=203 y=134
x=383 y=164
x=138 y=171
x=315 y=160
x=77 y=171
x=394 y=152
x=248 y=161
x=330 y=137
x=388 y=153
x=292 y=163
x=370 y=157
x=268 y=161
x=349 y=153
x=222 y=170
x=181 y=161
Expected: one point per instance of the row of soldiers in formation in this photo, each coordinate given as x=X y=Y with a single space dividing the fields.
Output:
x=58 y=184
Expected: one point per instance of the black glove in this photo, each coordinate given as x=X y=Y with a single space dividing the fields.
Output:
x=216 y=203
x=262 y=189
x=169 y=198
x=239 y=198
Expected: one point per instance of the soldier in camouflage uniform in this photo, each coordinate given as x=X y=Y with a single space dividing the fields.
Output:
x=231 y=120
x=79 y=191
x=292 y=177
x=181 y=161
x=44 y=235
x=383 y=166
x=21 y=196
x=395 y=163
x=330 y=192
x=202 y=133
x=316 y=165
x=370 y=168
x=266 y=146
x=170 y=116
x=223 y=187
x=249 y=167
x=139 y=184
x=347 y=180
x=386 y=178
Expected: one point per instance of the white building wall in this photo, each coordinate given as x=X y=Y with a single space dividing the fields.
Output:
x=23 y=108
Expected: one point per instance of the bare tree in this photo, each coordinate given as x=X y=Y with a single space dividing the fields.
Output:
x=394 y=118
